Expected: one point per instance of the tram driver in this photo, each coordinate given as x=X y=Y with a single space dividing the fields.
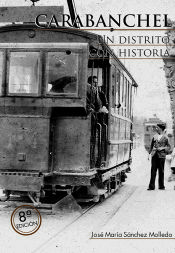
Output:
x=58 y=85
x=62 y=72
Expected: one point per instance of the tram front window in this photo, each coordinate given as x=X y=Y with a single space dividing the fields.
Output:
x=24 y=73
x=62 y=72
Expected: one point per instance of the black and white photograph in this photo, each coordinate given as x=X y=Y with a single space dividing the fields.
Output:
x=87 y=127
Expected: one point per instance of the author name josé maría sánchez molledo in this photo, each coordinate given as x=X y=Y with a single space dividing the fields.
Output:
x=115 y=21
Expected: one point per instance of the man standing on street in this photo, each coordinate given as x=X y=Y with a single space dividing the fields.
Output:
x=159 y=149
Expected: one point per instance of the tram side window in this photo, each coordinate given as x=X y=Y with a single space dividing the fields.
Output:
x=24 y=73
x=128 y=100
x=62 y=72
x=113 y=85
x=122 y=94
x=125 y=96
x=117 y=99
x=1 y=71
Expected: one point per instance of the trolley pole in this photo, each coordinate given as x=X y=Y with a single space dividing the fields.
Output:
x=72 y=12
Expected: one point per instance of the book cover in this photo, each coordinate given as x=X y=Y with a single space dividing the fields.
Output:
x=125 y=45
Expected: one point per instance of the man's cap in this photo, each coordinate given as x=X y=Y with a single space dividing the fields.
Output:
x=162 y=125
x=90 y=79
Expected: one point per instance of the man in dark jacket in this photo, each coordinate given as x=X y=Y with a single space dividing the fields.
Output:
x=159 y=149
x=93 y=100
x=96 y=99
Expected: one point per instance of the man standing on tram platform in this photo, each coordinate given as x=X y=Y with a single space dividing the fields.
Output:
x=160 y=147
x=96 y=99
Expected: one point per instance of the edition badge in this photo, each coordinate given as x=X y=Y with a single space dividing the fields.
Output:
x=26 y=220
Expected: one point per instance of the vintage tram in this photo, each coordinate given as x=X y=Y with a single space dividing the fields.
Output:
x=50 y=142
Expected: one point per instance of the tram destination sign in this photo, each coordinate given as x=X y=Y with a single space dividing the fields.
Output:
x=29 y=13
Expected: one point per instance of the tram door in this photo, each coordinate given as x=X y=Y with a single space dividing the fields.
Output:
x=99 y=120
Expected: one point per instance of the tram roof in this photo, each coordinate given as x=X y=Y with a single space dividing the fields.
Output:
x=76 y=31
